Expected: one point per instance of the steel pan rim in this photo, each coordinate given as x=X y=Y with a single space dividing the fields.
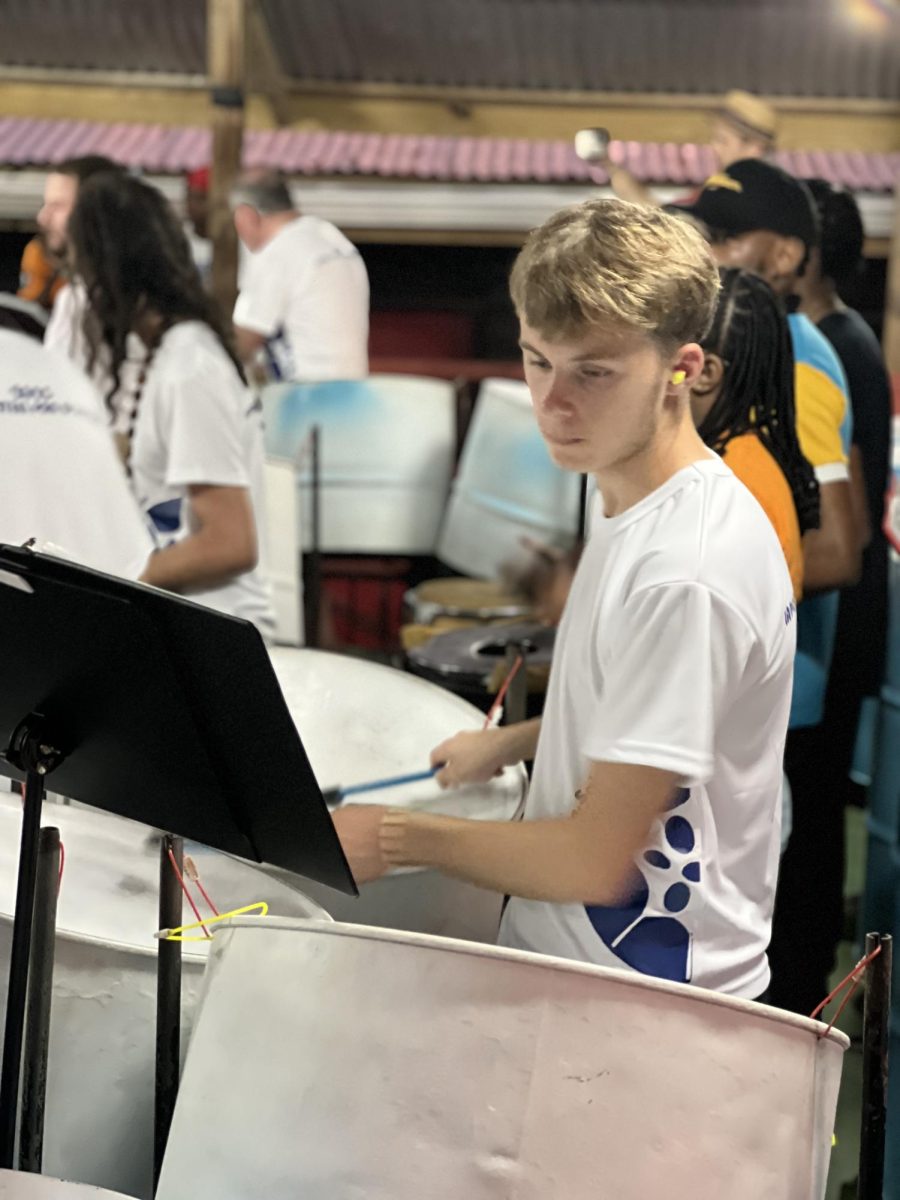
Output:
x=807 y=1025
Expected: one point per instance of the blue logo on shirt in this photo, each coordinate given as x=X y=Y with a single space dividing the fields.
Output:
x=658 y=946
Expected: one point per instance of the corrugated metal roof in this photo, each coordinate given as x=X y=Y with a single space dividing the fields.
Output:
x=773 y=47
x=168 y=149
x=109 y=35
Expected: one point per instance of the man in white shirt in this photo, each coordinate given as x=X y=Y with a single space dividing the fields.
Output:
x=651 y=832
x=61 y=481
x=64 y=332
x=304 y=298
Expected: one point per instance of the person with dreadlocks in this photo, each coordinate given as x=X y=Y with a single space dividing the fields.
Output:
x=743 y=406
x=188 y=430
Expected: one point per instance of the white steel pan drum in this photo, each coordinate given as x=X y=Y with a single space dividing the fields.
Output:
x=99 y=1109
x=19 y=1185
x=399 y=1066
x=361 y=721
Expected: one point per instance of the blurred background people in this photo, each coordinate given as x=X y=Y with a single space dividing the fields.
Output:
x=60 y=193
x=743 y=127
x=764 y=220
x=60 y=479
x=304 y=295
x=190 y=432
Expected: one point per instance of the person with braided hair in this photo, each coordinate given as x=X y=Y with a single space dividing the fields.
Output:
x=743 y=406
x=188 y=430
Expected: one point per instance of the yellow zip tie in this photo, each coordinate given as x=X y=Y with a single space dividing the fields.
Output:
x=176 y=935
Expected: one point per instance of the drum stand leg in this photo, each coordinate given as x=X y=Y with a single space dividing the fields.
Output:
x=168 y=1001
x=876 y=1019
x=312 y=584
x=40 y=996
x=516 y=706
x=31 y=751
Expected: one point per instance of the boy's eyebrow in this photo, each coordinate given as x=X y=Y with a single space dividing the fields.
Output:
x=593 y=354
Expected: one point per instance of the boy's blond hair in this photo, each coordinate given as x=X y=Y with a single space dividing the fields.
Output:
x=619 y=266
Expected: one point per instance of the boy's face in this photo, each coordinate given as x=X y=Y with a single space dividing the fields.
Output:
x=599 y=399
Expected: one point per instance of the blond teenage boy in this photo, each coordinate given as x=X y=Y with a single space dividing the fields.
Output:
x=651 y=833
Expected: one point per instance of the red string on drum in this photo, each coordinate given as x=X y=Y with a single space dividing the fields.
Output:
x=504 y=688
x=190 y=898
x=190 y=869
x=852 y=978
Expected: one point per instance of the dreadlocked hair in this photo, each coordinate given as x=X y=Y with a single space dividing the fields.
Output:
x=751 y=336
x=135 y=261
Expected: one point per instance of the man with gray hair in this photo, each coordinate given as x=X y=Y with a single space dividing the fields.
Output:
x=304 y=298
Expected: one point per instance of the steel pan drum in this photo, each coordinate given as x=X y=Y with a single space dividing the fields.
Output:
x=18 y=1185
x=392 y=1066
x=99 y=1112
x=360 y=721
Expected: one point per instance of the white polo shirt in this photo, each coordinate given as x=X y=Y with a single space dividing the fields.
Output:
x=307 y=293
x=675 y=651
x=61 y=480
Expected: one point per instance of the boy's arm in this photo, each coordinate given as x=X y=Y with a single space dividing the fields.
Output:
x=584 y=858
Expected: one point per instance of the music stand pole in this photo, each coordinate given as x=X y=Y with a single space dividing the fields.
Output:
x=31 y=750
x=40 y=1000
x=168 y=1001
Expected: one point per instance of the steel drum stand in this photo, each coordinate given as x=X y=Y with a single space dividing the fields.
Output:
x=134 y=700
x=876 y=1023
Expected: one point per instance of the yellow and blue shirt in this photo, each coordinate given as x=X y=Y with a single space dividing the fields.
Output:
x=824 y=428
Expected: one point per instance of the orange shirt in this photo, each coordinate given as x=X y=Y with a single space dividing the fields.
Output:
x=40 y=277
x=760 y=473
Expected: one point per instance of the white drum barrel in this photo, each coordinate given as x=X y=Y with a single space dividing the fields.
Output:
x=404 y=1066
x=99 y=1111
x=361 y=721
x=18 y=1185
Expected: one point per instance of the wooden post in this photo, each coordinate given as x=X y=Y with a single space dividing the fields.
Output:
x=226 y=65
x=891 y=333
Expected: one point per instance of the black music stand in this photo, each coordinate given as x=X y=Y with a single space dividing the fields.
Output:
x=153 y=708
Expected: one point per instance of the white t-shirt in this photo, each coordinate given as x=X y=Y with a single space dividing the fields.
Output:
x=65 y=335
x=197 y=424
x=63 y=332
x=307 y=292
x=61 y=480
x=675 y=651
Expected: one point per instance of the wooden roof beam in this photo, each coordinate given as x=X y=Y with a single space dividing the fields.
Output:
x=265 y=73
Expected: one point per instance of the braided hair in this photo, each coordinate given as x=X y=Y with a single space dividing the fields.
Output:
x=135 y=261
x=842 y=234
x=750 y=335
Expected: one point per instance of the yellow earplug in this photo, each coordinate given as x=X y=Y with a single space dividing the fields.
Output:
x=679 y=377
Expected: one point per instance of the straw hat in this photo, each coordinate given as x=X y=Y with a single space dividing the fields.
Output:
x=750 y=114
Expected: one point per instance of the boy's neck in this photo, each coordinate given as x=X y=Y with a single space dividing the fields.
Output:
x=628 y=482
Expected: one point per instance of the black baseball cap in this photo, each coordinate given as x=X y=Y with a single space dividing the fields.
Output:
x=753 y=194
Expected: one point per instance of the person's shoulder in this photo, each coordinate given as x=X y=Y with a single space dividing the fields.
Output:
x=29 y=366
x=852 y=336
x=813 y=350
x=191 y=350
x=675 y=536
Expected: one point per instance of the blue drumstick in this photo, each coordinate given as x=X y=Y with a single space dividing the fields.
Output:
x=395 y=781
x=336 y=795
